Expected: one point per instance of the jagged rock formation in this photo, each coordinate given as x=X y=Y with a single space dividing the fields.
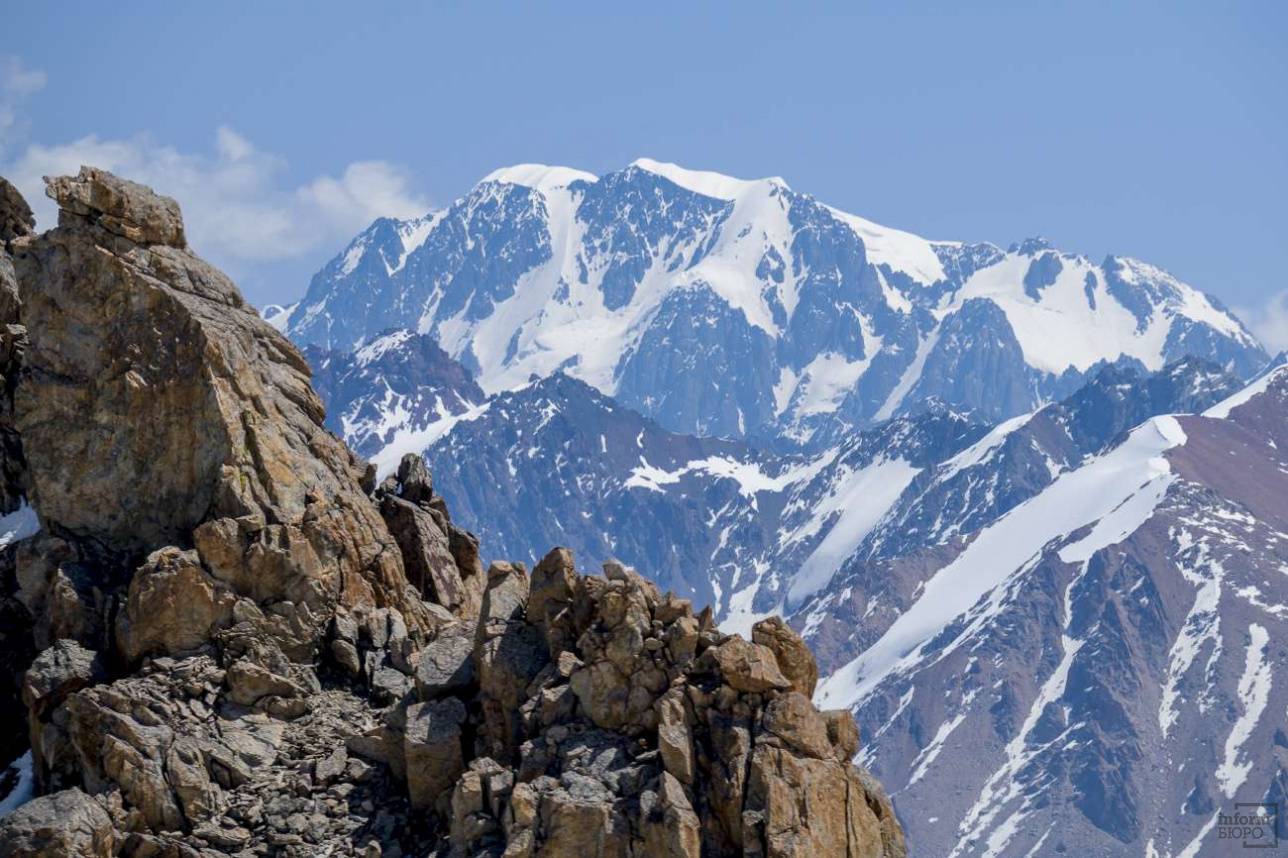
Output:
x=248 y=647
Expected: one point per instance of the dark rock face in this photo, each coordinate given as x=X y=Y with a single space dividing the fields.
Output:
x=244 y=645
x=398 y=373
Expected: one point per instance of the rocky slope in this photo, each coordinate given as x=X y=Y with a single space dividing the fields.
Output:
x=719 y=306
x=1100 y=669
x=245 y=645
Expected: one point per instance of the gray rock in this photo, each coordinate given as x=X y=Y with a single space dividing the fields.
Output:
x=447 y=662
x=67 y=824
x=432 y=748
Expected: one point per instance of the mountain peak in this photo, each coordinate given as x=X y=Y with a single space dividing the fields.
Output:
x=709 y=184
x=1031 y=246
x=539 y=177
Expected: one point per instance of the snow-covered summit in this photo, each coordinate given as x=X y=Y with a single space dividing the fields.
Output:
x=539 y=177
x=736 y=307
x=709 y=184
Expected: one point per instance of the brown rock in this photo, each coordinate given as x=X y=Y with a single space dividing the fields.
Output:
x=119 y=206
x=426 y=551
x=67 y=824
x=511 y=655
x=57 y=673
x=748 y=666
x=552 y=589
x=793 y=656
x=173 y=606
x=16 y=219
x=671 y=829
x=506 y=596
x=794 y=720
x=148 y=369
x=674 y=739
x=432 y=750
x=842 y=732
x=809 y=807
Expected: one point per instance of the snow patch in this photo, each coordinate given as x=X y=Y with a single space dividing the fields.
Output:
x=715 y=185
x=1254 y=694
x=418 y=440
x=18 y=525
x=277 y=316
x=902 y=251
x=23 y=790
x=862 y=498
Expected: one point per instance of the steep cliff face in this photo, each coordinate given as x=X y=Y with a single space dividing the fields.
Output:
x=243 y=645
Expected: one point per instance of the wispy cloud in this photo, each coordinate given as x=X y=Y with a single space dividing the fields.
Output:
x=240 y=206
x=1269 y=322
x=17 y=84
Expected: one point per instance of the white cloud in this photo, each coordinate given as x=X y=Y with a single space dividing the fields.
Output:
x=1269 y=322
x=236 y=202
x=240 y=205
x=17 y=83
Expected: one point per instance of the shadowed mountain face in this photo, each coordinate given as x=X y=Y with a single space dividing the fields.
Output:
x=399 y=384
x=745 y=309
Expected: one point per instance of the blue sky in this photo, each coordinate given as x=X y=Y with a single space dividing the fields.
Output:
x=1156 y=131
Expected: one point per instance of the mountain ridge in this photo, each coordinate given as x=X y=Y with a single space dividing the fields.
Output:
x=742 y=308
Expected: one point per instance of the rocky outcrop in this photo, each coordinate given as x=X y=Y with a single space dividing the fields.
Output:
x=146 y=368
x=640 y=729
x=248 y=647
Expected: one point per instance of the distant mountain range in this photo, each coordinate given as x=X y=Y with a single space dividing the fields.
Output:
x=745 y=309
x=957 y=470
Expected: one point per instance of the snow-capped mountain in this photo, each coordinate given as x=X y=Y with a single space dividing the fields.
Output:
x=996 y=491
x=736 y=308
x=1101 y=669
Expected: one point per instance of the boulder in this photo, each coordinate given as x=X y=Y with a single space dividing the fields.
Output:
x=747 y=666
x=806 y=807
x=432 y=750
x=67 y=824
x=414 y=481
x=798 y=725
x=506 y=596
x=57 y=673
x=426 y=551
x=671 y=828
x=446 y=663
x=674 y=738
x=173 y=606
x=16 y=218
x=794 y=658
